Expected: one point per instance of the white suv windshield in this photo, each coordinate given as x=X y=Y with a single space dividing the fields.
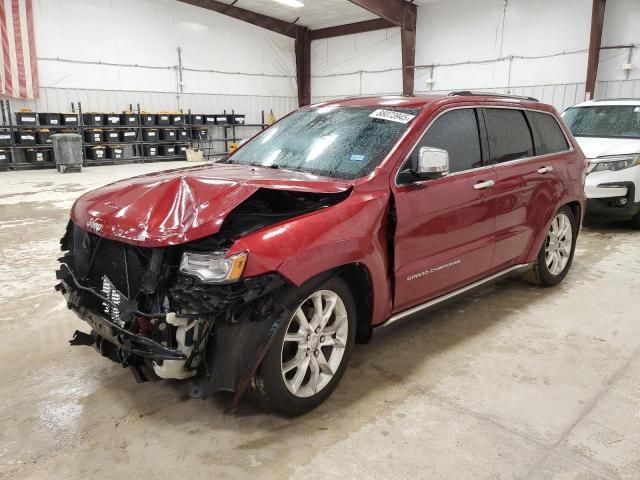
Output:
x=613 y=121
x=339 y=142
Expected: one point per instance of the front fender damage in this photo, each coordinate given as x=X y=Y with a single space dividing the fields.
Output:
x=241 y=346
x=146 y=315
x=243 y=333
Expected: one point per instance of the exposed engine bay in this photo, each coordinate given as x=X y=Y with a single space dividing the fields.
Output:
x=148 y=313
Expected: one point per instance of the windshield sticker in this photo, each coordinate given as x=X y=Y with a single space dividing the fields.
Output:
x=392 y=116
x=636 y=110
x=356 y=158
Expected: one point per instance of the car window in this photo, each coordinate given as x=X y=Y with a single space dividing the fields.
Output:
x=547 y=134
x=508 y=134
x=457 y=133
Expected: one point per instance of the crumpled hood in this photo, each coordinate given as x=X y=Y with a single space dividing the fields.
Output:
x=594 y=147
x=178 y=206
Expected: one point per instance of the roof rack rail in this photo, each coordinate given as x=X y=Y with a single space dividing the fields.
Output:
x=468 y=93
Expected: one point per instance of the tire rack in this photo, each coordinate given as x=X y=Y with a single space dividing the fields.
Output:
x=18 y=161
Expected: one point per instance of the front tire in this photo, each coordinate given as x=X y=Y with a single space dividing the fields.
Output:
x=309 y=355
x=556 y=255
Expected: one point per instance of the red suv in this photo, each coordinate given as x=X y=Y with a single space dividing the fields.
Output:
x=258 y=273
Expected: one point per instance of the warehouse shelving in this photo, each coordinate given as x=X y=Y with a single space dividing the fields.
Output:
x=229 y=134
x=134 y=150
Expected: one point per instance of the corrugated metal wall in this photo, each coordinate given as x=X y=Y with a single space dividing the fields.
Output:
x=618 y=89
x=60 y=99
x=560 y=96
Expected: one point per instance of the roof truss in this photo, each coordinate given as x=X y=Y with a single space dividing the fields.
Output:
x=392 y=13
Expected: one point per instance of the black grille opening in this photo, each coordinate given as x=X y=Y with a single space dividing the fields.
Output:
x=124 y=265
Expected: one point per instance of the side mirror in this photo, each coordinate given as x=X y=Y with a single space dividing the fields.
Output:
x=431 y=163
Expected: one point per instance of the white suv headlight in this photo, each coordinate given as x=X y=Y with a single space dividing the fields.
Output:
x=214 y=267
x=613 y=163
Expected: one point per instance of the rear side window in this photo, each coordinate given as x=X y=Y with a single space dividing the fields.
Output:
x=508 y=134
x=547 y=134
x=457 y=133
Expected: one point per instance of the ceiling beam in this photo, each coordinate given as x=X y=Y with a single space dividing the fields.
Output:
x=351 y=28
x=302 y=36
x=274 y=24
x=398 y=12
x=595 y=41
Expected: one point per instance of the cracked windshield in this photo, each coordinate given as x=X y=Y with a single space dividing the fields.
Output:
x=339 y=142
x=608 y=121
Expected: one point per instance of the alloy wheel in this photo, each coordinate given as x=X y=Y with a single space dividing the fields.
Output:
x=314 y=343
x=558 y=244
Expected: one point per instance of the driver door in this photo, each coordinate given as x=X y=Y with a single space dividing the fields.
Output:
x=445 y=226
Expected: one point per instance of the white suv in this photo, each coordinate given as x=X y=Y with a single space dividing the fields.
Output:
x=608 y=132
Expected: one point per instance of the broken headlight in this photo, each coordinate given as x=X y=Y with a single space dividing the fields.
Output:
x=214 y=267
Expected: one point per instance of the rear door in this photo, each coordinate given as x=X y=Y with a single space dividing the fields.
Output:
x=522 y=145
x=444 y=226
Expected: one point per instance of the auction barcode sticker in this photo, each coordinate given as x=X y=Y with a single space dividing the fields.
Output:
x=392 y=116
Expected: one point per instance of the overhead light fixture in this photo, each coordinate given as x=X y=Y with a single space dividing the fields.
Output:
x=291 y=3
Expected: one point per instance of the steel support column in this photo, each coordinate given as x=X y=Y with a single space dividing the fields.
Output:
x=303 y=67
x=401 y=14
x=408 y=45
x=595 y=41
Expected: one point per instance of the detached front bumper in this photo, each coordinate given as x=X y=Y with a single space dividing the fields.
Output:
x=123 y=346
x=245 y=325
x=127 y=341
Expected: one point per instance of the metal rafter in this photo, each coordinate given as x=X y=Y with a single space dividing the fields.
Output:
x=399 y=12
x=351 y=28
x=274 y=24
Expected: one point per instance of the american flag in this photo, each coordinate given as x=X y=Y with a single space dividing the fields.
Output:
x=19 y=74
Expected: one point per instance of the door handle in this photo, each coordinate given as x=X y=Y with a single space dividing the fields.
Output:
x=547 y=169
x=483 y=185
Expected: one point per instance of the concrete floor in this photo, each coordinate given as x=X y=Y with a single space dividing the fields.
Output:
x=513 y=382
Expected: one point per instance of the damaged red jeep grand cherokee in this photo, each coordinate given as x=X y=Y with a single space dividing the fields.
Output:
x=258 y=273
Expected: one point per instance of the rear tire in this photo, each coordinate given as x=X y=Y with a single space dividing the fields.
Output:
x=309 y=355
x=556 y=254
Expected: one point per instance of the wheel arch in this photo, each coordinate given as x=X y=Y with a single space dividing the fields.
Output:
x=576 y=209
x=358 y=279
